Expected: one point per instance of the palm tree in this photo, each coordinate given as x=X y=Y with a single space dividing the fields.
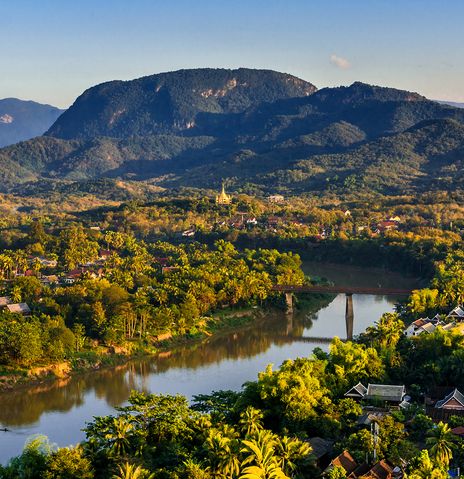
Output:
x=118 y=436
x=292 y=450
x=224 y=451
x=260 y=462
x=440 y=442
x=251 y=421
x=130 y=471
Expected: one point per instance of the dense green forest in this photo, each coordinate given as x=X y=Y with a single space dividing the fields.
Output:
x=141 y=291
x=152 y=281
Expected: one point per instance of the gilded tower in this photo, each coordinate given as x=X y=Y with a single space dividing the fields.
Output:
x=223 y=198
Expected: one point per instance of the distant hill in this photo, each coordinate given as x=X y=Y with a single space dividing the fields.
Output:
x=451 y=103
x=21 y=120
x=255 y=127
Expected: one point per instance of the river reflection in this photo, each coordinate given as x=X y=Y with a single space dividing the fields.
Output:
x=60 y=409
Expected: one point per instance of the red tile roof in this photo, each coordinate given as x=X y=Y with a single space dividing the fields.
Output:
x=346 y=461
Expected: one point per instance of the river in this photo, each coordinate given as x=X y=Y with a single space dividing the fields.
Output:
x=60 y=409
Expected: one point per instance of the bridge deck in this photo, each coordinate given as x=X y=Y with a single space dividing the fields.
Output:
x=341 y=289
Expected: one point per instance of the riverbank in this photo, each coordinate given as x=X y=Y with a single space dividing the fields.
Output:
x=101 y=357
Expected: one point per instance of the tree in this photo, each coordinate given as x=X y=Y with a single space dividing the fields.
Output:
x=337 y=473
x=260 y=461
x=32 y=463
x=131 y=471
x=118 y=436
x=251 y=421
x=68 y=463
x=292 y=393
x=387 y=331
x=440 y=443
x=422 y=467
x=353 y=362
x=78 y=330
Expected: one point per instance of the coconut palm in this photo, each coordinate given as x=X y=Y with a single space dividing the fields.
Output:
x=292 y=450
x=224 y=455
x=131 y=471
x=251 y=421
x=260 y=461
x=440 y=442
x=119 y=436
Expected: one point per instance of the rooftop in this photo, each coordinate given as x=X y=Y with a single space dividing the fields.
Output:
x=4 y=300
x=456 y=395
x=386 y=392
x=357 y=391
x=346 y=461
x=21 y=308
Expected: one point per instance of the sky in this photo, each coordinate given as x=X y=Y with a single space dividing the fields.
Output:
x=52 y=50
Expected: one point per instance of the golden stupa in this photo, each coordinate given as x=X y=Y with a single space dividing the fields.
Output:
x=223 y=198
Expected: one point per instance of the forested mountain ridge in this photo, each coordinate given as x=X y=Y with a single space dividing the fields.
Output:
x=255 y=127
x=170 y=102
x=21 y=120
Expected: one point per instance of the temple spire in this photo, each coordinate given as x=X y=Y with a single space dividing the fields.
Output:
x=223 y=198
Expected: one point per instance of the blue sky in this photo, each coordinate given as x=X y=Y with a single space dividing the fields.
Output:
x=52 y=50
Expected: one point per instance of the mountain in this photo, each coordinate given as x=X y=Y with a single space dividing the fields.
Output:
x=21 y=120
x=258 y=127
x=170 y=102
x=451 y=103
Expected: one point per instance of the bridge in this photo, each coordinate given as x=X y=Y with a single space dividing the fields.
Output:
x=289 y=290
x=341 y=290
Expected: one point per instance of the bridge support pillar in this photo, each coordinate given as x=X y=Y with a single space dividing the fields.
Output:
x=289 y=302
x=289 y=324
x=349 y=316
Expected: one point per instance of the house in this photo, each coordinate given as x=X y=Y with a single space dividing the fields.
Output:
x=189 y=233
x=428 y=327
x=381 y=470
x=49 y=280
x=73 y=275
x=379 y=392
x=48 y=263
x=413 y=328
x=4 y=300
x=447 y=326
x=368 y=418
x=456 y=313
x=453 y=401
x=19 y=308
x=169 y=269
x=321 y=450
x=357 y=392
x=385 y=392
x=104 y=254
x=387 y=226
x=345 y=460
x=252 y=221
x=276 y=199
x=395 y=219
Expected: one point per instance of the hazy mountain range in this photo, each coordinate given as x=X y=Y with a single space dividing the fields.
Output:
x=258 y=128
x=21 y=120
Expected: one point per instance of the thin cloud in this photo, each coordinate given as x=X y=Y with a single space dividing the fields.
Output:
x=340 y=62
